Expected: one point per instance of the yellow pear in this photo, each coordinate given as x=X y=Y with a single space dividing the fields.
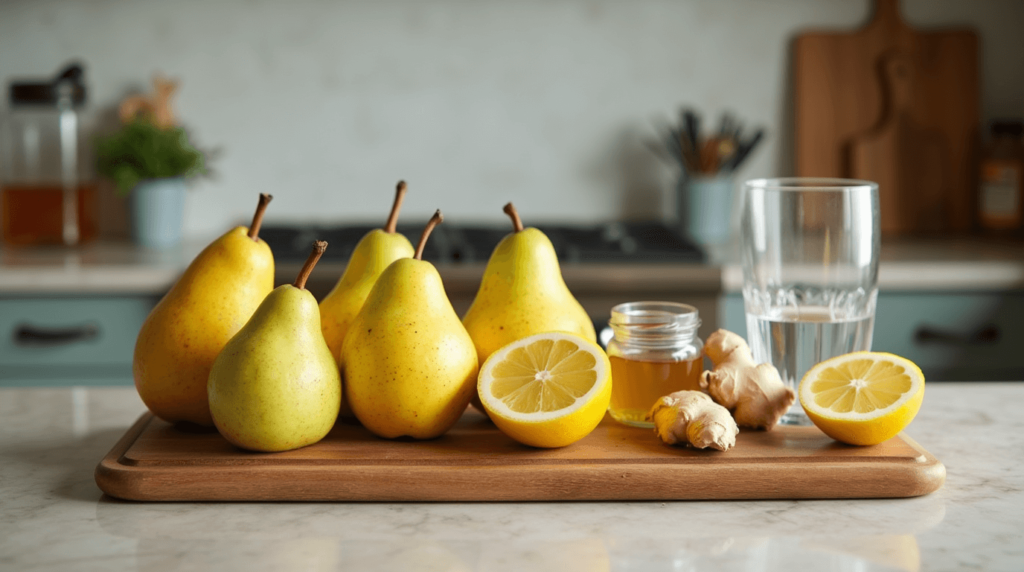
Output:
x=183 y=334
x=375 y=251
x=409 y=366
x=275 y=387
x=522 y=293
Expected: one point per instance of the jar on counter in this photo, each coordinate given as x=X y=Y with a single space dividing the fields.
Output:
x=45 y=197
x=654 y=351
x=1001 y=205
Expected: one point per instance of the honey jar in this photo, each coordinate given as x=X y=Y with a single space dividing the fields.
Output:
x=654 y=351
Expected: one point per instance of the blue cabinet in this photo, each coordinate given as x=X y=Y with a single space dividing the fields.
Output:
x=952 y=336
x=86 y=340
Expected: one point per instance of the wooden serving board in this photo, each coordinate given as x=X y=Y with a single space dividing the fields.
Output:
x=474 y=461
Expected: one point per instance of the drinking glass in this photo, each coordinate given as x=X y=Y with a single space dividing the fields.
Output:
x=810 y=272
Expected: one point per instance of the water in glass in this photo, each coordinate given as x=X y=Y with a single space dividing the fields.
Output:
x=797 y=340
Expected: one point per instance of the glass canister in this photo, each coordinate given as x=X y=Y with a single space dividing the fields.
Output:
x=654 y=351
x=45 y=196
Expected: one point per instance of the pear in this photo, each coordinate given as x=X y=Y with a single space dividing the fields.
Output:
x=375 y=251
x=409 y=365
x=186 y=330
x=275 y=387
x=522 y=293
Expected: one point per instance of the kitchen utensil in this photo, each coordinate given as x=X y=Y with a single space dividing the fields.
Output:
x=744 y=150
x=699 y=155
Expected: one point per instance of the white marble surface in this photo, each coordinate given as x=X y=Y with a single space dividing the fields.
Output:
x=53 y=517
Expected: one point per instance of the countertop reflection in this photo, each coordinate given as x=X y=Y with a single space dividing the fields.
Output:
x=52 y=515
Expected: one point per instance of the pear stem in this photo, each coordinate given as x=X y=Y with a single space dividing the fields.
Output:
x=392 y=223
x=435 y=220
x=319 y=247
x=257 y=219
x=511 y=211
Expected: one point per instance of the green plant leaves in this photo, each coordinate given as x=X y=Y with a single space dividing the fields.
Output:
x=141 y=150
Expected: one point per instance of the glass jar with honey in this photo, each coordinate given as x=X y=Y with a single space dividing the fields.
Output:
x=655 y=351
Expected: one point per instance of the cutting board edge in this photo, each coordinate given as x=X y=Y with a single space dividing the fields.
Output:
x=537 y=483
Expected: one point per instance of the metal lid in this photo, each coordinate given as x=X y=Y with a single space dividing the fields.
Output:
x=69 y=83
x=654 y=324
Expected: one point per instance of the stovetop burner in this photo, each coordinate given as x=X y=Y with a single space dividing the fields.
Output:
x=617 y=242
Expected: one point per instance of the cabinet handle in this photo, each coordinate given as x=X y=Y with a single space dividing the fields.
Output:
x=930 y=335
x=29 y=335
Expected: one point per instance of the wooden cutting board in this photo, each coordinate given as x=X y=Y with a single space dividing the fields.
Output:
x=476 y=462
x=907 y=160
x=845 y=100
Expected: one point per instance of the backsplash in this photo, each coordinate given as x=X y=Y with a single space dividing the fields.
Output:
x=551 y=104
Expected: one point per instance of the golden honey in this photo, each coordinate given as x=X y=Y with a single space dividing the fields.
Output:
x=654 y=351
x=637 y=385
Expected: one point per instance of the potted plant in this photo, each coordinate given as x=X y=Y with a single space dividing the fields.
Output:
x=150 y=158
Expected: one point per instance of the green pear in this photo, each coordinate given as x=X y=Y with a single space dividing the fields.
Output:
x=375 y=251
x=409 y=366
x=522 y=293
x=275 y=387
x=183 y=334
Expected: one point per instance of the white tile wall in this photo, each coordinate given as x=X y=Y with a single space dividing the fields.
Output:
x=548 y=103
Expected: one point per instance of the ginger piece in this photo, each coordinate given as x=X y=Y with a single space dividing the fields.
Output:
x=753 y=393
x=691 y=417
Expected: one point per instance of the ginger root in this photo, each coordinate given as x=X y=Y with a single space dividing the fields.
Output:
x=691 y=417
x=754 y=393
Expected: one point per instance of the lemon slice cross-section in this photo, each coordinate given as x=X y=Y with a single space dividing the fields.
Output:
x=546 y=390
x=862 y=398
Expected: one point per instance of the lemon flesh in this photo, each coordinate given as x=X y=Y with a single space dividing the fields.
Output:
x=862 y=398
x=546 y=390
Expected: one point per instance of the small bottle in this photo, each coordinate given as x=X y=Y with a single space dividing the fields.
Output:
x=655 y=351
x=1001 y=193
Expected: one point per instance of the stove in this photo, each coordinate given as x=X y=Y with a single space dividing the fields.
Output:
x=450 y=243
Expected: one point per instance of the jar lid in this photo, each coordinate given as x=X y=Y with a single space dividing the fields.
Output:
x=70 y=82
x=654 y=322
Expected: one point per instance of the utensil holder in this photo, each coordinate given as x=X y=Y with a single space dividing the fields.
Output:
x=704 y=204
x=157 y=210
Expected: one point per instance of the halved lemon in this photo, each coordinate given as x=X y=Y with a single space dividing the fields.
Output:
x=862 y=398
x=546 y=390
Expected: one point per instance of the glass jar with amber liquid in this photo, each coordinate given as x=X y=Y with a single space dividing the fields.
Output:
x=655 y=351
x=46 y=196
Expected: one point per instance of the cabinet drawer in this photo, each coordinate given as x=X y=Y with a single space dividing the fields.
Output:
x=964 y=336
x=64 y=341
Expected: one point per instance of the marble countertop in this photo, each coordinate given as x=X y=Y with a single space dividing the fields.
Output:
x=53 y=517
x=120 y=268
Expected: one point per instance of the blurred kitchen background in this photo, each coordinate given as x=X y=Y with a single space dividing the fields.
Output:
x=559 y=106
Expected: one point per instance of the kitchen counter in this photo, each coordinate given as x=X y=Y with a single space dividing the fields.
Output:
x=953 y=264
x=52 y=515
x=121 y=268
x=95 y=268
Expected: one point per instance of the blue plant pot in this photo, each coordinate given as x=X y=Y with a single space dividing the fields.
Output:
x=705 y=208
x=157 y=210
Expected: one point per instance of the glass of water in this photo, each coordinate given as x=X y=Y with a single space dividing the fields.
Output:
x=810 y=272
